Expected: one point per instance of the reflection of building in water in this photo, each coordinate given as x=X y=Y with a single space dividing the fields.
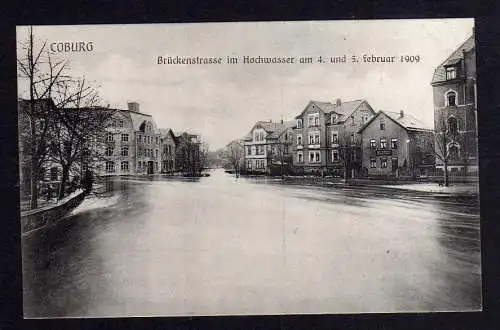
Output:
x=455 y=110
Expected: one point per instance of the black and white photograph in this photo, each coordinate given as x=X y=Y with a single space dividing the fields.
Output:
x=249 y=168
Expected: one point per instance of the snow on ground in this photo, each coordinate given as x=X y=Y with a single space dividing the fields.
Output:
x=435 y=188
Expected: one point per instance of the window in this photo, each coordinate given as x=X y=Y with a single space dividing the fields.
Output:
x=373 y=144
x=335 y=137
x=249 y=164
x=299 y=123
x=110 y=166
x=333 y=118
x=299 y=140
x=109 y=137
x=249 y=150
x=259 y=164
x=120 y=123
x=383 y=143
x=156 y=166
x=124 y=151
x=335 y=155
x=157 y=141
x=451 y=98
x=314 y=138
x=394 y=143
x=454 y=151
x=353 y=122
x=124 y=166
x=156 y=153
x=124 y=137
x=452 y=125
x=285 y=149
x=383 y=162
x=382 y=125
x=259 y=150
x=138 y=138
x=314 y=157
x=353 y=138
x=451 y=73
x=53 y=174
x=373 y=162
x=311 y=139
x=113 y=123
x=300 y=158
x=109 y=151
x=313 y=119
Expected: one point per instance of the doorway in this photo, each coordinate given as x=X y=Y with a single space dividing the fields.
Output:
x=150 y=167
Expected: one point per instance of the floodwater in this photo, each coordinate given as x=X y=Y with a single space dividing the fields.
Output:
x=226 y=245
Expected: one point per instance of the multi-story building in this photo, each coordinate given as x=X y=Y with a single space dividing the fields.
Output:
x=268 y=147
x=132 y=143
x=168 y=143
x=326 y=136
x=455 y=110
x=396 y=144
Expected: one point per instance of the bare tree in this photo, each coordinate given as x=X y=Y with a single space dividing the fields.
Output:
x=347 y=152
x=43 y=74
x=191 y=155
x=444 y=136
x=234 y=155
x=80 y=123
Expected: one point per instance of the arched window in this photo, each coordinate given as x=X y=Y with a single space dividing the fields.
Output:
x=451 y=98
x=453 y=151
x=452 y=125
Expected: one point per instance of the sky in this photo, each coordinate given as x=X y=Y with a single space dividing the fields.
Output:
x=223 y=101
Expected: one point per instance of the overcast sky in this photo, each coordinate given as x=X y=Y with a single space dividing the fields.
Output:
x=222 y=102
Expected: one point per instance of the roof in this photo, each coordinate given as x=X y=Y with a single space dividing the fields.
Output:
x=344 y=110
x=166 y=131
x=273 y=129
x=406 y=121
x=455 y=58
x=139 y=118
x=38 y=103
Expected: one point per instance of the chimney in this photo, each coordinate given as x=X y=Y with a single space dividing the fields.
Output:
x=401 y=113
x=338 y=102
x=133 y=106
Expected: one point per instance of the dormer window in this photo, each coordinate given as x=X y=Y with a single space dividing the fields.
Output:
x=334 y=118
x=451 y=73
x=299 y=123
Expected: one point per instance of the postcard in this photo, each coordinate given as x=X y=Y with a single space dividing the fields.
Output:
x=249 y=168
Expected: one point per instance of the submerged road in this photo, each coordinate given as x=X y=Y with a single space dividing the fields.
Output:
x=226 y=245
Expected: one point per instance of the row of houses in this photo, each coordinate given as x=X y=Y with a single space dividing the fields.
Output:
x=131 y=144
x=351 y=139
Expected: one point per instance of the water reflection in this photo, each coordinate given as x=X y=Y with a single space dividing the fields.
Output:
x=226 y=245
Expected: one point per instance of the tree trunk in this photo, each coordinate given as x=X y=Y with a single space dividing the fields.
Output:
x=64 y=180
x=445 y=174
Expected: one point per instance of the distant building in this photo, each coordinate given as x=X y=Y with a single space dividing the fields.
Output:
x=455 y=110
x=396 y=144
x=234 y=155
x=131 y=145
x=168 y=143
x=326 y=136
x=268 y=147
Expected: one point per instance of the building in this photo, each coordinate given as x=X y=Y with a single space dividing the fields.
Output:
x=132 y=143
x=455 y=111
x=168 y=143
x=396 y=144
x=268 y=147
x=326 y=137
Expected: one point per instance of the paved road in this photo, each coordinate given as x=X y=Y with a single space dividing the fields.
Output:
x=225 y=245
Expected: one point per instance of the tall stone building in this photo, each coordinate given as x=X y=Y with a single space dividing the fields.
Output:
x=455 y=111
x=327 y=139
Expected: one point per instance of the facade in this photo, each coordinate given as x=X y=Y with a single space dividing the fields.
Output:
x=455 y=111
x=132 y=144
x=168 y=143
x=326 y=137
x=395 y=144
x=268 y=146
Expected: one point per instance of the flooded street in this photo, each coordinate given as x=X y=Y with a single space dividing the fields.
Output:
x=226 y=245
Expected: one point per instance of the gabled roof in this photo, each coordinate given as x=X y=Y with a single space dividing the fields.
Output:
x=139 y=118
x=344 y=110
x=166 y=131
x=455 y=58
x=274 y=130
x=407 y=122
